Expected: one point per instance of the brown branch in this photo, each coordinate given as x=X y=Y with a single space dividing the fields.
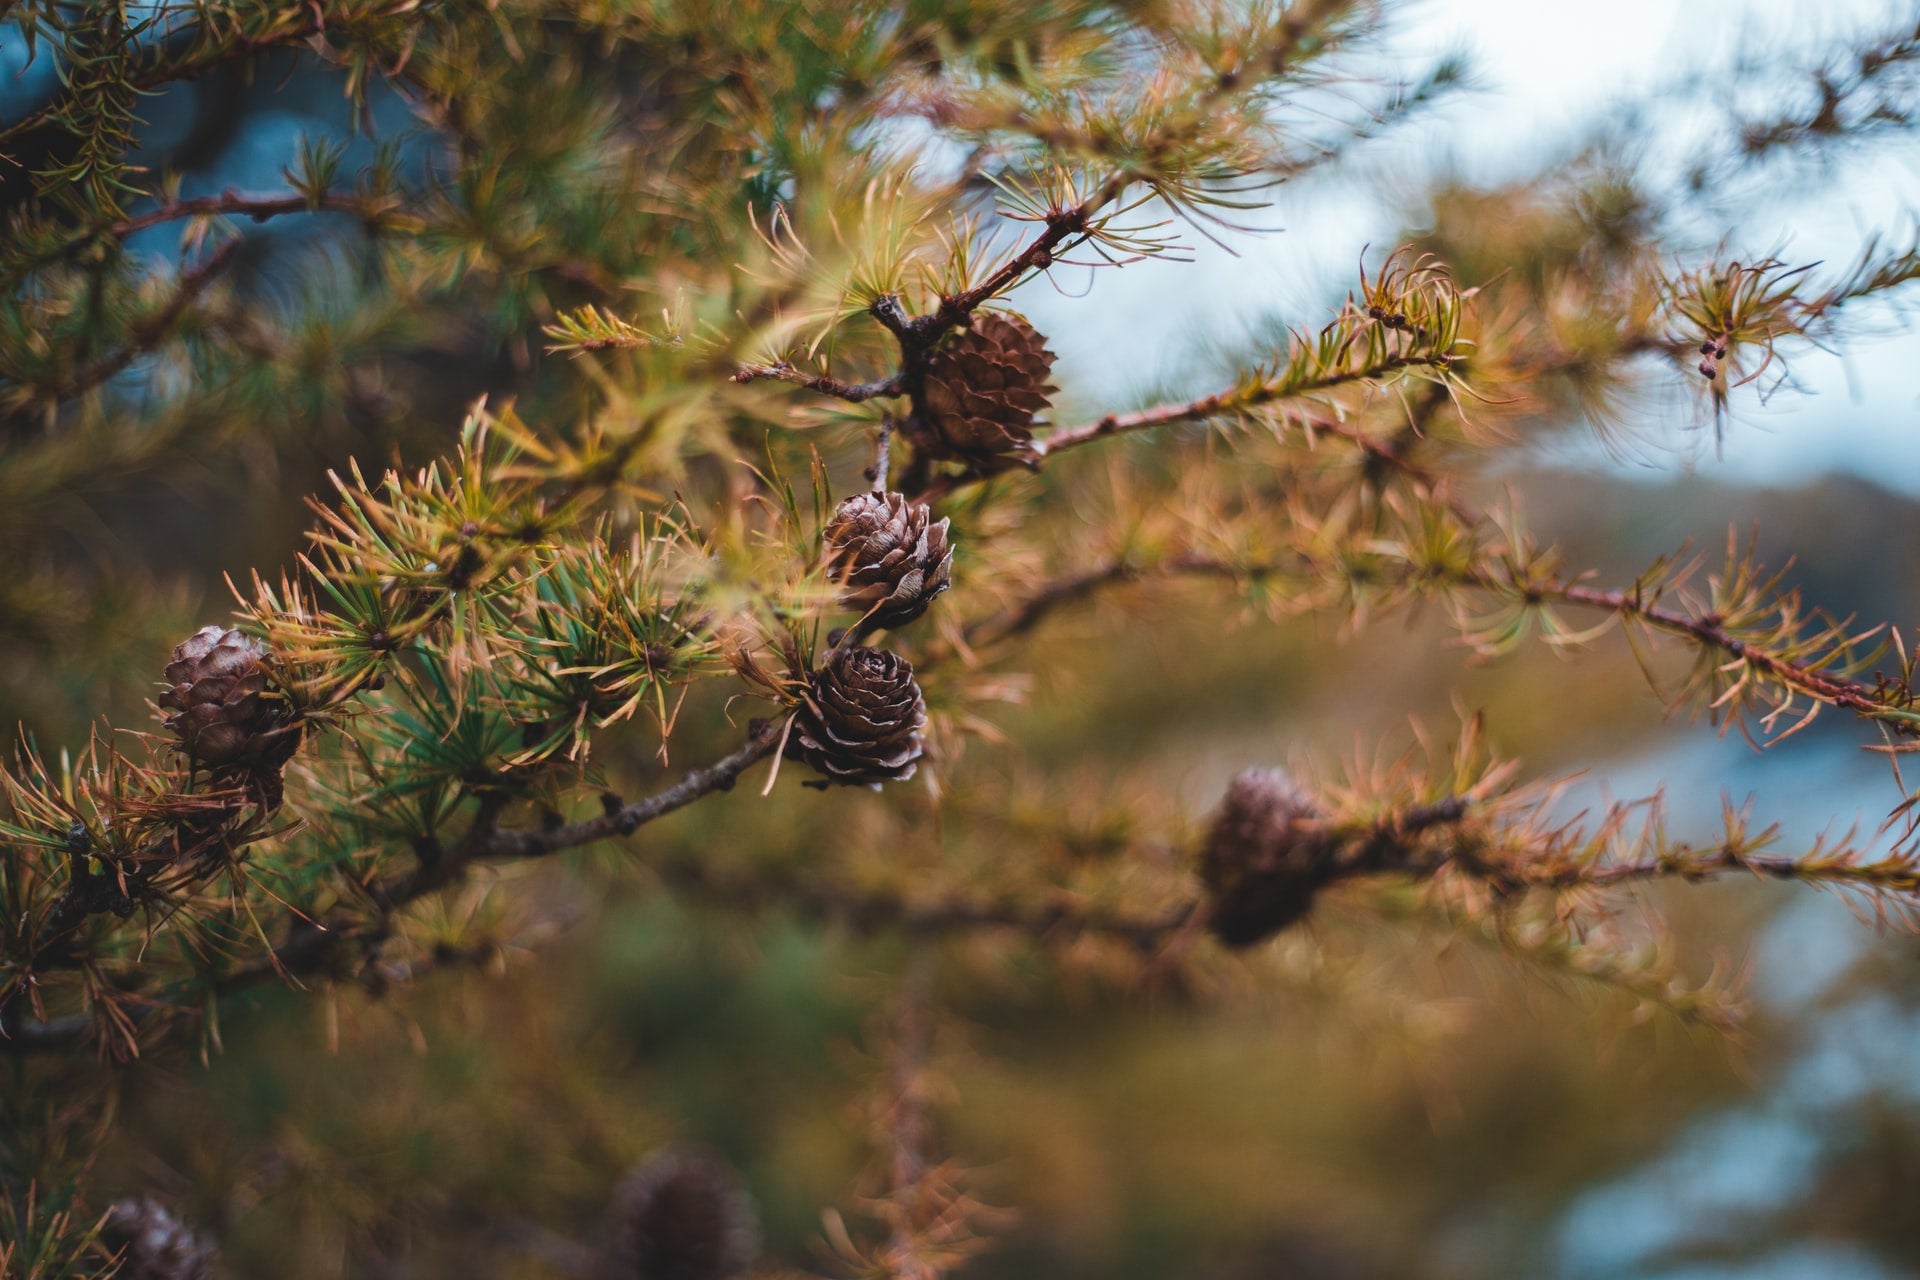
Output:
x=147 y=334
x=1072 y=588
x=1057 y=594
x=1059 y=919
x=1037 y=254
x=311 y=943
x=228 y=204
x=1213 y=406
x=1839 y=691
x=781 y=371
x=1062 y=916
x=908 y=1122
x=1521 y=855
x=1704 y=630
x=719 y=776
x=231 y=204
x=930 y=1218
x=1900 y=876
x=312 y=946
x=1834 y=690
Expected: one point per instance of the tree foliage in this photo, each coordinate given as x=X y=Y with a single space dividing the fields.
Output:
x=688 y=282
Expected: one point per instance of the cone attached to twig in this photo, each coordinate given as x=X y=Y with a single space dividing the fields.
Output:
x=219 y=704
x=862 y=720
x=982 y=387
x=153 y=1244
x=889 y=556
x=1265 y=857
x=680 y=1215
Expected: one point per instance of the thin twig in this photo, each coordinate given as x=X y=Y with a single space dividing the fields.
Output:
x=147 y=333
x=1211 y=406
x=908 y=1122
x=719 y=776
x=228 y=204
x=853 y=392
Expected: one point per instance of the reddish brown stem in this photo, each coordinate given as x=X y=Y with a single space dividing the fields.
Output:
x=853 y=392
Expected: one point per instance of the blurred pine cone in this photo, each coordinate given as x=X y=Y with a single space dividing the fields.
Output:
x=220 y=705
x=153 y=1244
x=680 y=1216
x=890 y=557
x=1264 y=858
x=862 y=720
x=983 y=385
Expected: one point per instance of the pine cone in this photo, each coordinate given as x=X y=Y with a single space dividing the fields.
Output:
x=1263 y=860
x=153 y=1244
x=890 y=557
x=680 y=1216
x=861 y=723
x=220 y=705
x=982 y=388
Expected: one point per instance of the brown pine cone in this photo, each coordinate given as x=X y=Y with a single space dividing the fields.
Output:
x=1264 y=858
x=153 y=1244
x=862 y=721
x=680 y=1215
x=890 y=557
x=220 y=704
x=983 y=385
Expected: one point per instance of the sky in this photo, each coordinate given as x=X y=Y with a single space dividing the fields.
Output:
x=1545 y=70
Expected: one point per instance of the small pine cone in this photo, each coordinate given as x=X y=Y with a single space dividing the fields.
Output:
x=983 y=386
x=220 y=705
x=1264 y=859
x=862 y=721
x=890 y=557
x=679 y=1215
x=153 y=1244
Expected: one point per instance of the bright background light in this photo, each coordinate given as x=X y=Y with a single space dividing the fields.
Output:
x=1547 y=75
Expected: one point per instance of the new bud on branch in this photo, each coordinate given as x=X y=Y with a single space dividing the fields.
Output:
x=889 y=556
x=982 y=387
x=862 y=720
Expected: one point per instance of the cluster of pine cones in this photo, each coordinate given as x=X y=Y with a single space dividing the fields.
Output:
x=863 y=719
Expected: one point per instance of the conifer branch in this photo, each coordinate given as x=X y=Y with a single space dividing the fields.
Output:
x=907 y=1122
x=929 y=1218
x=1863 y=91
x=1709 y=630
x=147 y=333
x=1893 y=706
x=471 y=651
x=1646 y=976
x=852 y=392
x=213 y=47
x=228 y=204
x=719 y=776
x=1236 y=402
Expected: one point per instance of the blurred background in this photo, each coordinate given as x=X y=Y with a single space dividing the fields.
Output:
x=1377 y=1105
